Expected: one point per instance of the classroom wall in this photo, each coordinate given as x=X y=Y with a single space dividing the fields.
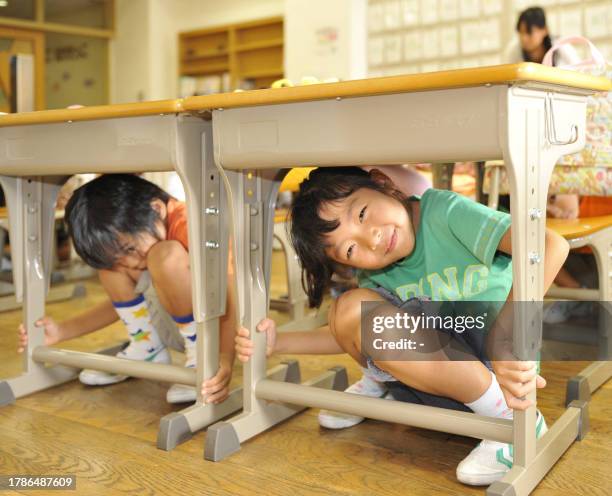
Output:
x=325 y=39
x=129 y=52
x=144 y=53
x=412 y=36
x=144 y=60
x=145 y=50
x=76 y=70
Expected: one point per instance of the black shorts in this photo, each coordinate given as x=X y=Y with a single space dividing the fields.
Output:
x=401 y=392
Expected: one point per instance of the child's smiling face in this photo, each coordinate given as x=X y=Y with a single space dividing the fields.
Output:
x=374 y=230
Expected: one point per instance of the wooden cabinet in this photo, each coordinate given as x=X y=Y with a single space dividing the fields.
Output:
x=246 y=55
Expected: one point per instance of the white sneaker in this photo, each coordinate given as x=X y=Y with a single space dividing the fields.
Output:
x=490 y=460
x=365 y=387
x=180 y=393
x=98 y=378
x=556 y=313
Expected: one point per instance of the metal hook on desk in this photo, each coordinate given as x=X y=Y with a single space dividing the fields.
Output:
x=549 y=124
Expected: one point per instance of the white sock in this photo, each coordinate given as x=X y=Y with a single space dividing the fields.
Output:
x=492 y=403
x=144 y=340
x=187 y=328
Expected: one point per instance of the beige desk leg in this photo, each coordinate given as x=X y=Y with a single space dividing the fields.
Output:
x=248 y=192
x=297 y=301
x=31 y=203
x=581 y=387
x=530 y=152
x=208 y=242
x=442 y=175
x=296 y=298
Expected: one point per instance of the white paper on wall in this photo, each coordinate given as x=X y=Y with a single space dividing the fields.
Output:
x=469 y=62
x=489 y=35
x=489 y=60
x=413 y=46
x=596 y=21
x=490 y=7
x=410 y=12
x=410 y=69
x=375 y=17
x=430 y=67
x=570 y=22
x=520 y=5
x=392 y=71
x=449 y=10
x=470 y=37
x=375 y=51
x=449 y=41
x=545 y=3
x=606 y=50
x=429 y=11
x=431 y=43
x=448 y=65
x=552 y=21
x=392 y=16
x=392 y=49
x=469 y=9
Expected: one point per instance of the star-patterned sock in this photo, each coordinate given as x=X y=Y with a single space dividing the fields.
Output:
x=187 y=328
x=145 y=343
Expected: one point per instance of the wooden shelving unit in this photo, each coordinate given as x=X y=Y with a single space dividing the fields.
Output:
x=249 y=53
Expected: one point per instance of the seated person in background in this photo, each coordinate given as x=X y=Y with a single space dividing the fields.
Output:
x=534 y=41
x=133 y=232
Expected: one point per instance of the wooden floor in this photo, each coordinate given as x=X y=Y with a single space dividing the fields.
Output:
x=106 y=437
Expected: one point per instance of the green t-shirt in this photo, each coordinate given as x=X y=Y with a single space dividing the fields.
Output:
x=455 y=256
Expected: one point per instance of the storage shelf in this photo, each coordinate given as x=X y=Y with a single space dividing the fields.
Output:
x=255 y=46
x=258 y=45
x=204 y=55
x=278 y=71
x=201 y=70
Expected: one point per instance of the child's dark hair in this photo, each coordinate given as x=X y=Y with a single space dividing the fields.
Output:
x=534 y=16
x=308 y=229
x=110 y=205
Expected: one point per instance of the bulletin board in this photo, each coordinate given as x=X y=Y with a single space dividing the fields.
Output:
x=411 y=36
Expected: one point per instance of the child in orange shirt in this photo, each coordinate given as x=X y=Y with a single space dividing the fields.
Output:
x=135 y=233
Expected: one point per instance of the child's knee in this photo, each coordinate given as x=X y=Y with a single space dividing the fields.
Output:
x=345 y=312
x=167 y=257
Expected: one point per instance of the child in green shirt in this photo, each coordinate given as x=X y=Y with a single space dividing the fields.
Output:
x=442 y=246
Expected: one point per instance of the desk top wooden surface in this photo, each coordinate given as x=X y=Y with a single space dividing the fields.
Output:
x=509 y=74
x=579 y=227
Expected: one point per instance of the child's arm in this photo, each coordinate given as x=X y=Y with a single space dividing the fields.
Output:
x=317 y=342
x=518 y=378
x=96 y=318
x=563 y=206
x=555 y=253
